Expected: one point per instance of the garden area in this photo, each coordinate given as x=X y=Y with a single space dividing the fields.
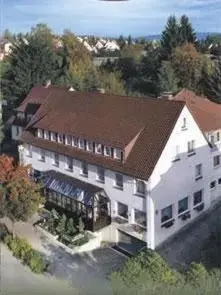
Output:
x=69 y=231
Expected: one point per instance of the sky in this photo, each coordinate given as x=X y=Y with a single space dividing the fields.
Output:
x=96 y=17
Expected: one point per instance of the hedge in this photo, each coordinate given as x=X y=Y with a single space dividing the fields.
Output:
x=22 y=250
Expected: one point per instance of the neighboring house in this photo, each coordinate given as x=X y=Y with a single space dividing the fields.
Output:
x=138 y=169
x=5 y=48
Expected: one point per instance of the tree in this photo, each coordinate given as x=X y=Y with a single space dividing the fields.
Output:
x=196 y=274
x=71 y=229
x=186 y=31
x=187 y=64
x=61 y=225
x=21 y=197
x=8 y=35
x=42 y=32
x=213 y=89
x=170 y=37
x=30 y=63
x=111 y=83
x=121 y=41
x=168 y=82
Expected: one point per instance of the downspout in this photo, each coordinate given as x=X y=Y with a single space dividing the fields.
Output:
x=150 y=232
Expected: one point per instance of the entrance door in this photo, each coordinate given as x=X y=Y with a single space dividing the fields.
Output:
x=129 y=243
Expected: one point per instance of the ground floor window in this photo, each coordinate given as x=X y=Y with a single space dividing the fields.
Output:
x=166 y=214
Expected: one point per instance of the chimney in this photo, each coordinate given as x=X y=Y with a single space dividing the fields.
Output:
x=48 y=83
x=166 y=96
x=101 y=90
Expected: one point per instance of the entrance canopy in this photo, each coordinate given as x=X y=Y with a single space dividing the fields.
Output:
x=70 y=187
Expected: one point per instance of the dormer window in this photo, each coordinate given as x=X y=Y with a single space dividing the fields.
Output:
x=46 y=135
x=107 y=151
x=75 y=141
x=98 y=148
x=29 y=117
x=118 y=154
x=68 y=140
x=90 y=146
x=81 y=143
x=20 y=115
x=60 y=138
x=53 y=136
x=40 y=133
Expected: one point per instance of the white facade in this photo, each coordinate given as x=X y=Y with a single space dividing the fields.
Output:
x=177 y=175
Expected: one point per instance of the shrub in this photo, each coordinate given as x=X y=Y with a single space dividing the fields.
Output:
x=81 y=241
x=196 y=274
x=36 y=262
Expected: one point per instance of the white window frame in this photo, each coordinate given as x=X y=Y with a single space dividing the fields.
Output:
x=176 y=156
x=121 y=216
x=198 y=204
x=168 y=220
x=105 y=153
x=218 y=136
x=90 y=146
x=98 y=174
x=217 y=165
x=42 y=155
x=75 y=141
x=184 y=125
x=191 y=147
x=82 y=170
x=59 y=137
x=199 y=175
x=136 y=191
x=55 y=161
x=97 y=147
x=40 y=133
x=53 y=136
x=29 y=151
x=81 y=144
x=17 y=128
x=187 y=210
x=67 y=163
x=68 y=138
x=140 y=224
x=115 y=181
x=117 y=153
x=214 y=187
x=46 y=135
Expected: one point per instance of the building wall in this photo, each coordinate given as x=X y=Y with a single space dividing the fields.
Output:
x=125 y=196
x=173 y=181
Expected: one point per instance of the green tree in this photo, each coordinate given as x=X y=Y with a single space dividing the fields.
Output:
x=30 y=63
x=186 y=31
x=71 y=228
x=112 y=83
x=170 y=37
x=196 y=274
x=168 y=82
x=213 y=90
x=61 y=225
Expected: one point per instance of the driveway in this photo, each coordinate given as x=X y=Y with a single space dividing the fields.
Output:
x=18 y=279
x=88 y=272
x=186 y=246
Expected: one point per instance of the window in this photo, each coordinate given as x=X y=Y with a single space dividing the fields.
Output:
x=60 y=138
x=29 y=151
x=42 y=155
x=212 y=140
x=40 y=133
x=184 y=124
x=17 y=131
x=122 y=210
x=176 y=153
x=166 y=214
x=46 y=135
x=118 y=154
x=216 y=161
x=183 y=205
x=198 y=171
x=119 y=180
x=81 y=143
x=68 y=140
x=84 y=169
x=197 y=197
x=100 y=174
x=219 y=181
x=70 y=163
x=75 y=141
x=90 y=146
x=140 y=217
x=217 y=136
x=107 y=151
x=53 y=136
x=140 y=187
x=213 y=184
x=56 y=159
x=98 y=148
x=191 y=147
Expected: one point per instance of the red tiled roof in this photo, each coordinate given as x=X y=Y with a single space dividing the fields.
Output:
x=206 y=113
x=108 y=119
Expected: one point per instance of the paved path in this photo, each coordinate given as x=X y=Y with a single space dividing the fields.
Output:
x=88 y=272
x=18 y=279
x=186 y=246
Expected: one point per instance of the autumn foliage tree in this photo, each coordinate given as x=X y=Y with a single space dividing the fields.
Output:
x=20 y=196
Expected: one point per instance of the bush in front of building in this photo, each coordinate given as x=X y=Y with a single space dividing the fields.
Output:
x=22 y=250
